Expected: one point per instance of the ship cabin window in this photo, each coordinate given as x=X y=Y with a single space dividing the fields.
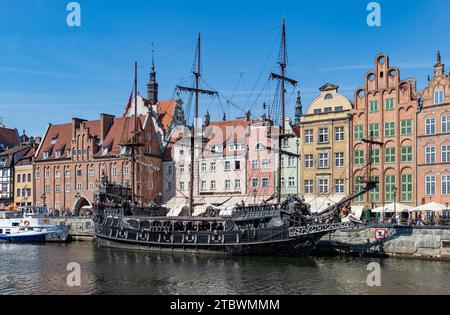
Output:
x=7 y=231
x=1 y=231
x=15 y=224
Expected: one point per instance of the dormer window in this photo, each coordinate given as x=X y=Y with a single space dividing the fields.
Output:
x=329 y=96
x=69 y=153
x=105 y=151
x=54 y=139
x=259 y=147
x=58 y=154
x=123 y=150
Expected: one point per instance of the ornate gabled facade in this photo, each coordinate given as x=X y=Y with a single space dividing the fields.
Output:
x=433 y=139
x=73 y=157
x=385 y=109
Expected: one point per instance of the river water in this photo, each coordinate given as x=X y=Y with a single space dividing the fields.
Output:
x=42 y=269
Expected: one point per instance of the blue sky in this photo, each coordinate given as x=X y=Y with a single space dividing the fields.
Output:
x=50 y=72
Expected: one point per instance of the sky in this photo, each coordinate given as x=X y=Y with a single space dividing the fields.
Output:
x=50 y=72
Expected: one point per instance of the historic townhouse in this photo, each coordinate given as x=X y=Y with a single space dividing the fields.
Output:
x=9 y=138
x=325 y=148
x=385 y=109
x=24 y=179
x=73 y=157
x=433 y=139
x=290 y=168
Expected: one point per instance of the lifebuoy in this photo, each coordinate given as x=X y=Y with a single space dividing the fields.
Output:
x=167 y=237
x=216 y=238
x=26 y=223
x=122 y=233
x=189 y=238
x=143 y=236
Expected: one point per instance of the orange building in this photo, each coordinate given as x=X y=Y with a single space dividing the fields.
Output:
x=385 y=108
x=433 y=139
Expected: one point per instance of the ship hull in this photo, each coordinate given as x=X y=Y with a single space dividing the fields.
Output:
x=296 y=247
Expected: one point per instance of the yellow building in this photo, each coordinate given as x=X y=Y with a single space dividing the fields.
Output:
x=325 y=148
x=24 y=181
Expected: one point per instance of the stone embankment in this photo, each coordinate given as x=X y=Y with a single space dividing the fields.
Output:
x=81 y=229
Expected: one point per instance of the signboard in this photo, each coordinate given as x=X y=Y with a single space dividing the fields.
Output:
x=381 y=234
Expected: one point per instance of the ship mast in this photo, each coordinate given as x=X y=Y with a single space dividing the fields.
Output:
x=197 y=91
x=283 y=79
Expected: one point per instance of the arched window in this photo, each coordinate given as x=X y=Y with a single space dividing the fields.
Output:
x=329 y=96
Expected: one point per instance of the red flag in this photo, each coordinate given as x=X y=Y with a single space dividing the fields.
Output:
x=129 y=103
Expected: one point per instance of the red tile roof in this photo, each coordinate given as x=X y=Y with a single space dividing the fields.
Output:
x=120 y=132
x=166 y=111
x=8 y=137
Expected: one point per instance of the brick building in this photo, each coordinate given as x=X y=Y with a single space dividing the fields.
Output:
x=72 y=158
x=386 y=108
x=433 y=139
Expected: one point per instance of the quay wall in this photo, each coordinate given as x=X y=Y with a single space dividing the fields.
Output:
x=400 y=241
x=81 y=229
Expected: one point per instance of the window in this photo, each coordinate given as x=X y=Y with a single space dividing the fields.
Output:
x=406 y=127
x=359 y=157
x=19 y=178
x=374 y=194
x=339 y=134
x=47 y=188
x=374 y=130
x=227 y=166
x=259 y=147
x=317 y=111
x=323 y=160
x=212 y=166
x=445 y=153
x=265 y=182
x=438 y=97
x=390 y=187
x=67 y=188
x=18 y=192
x=309 y=161
x=430 y=126
x=358 y=132
x=38 y=174
x=181 y=168
x=445 y=184
x=309 y=186
x=169 y=170
x=67 y=173
x=150 y=185
x=339 y=159
x=285 y=143
x=265 y=163
x=58 y=206
x=255 y=164
x=329 y=96
x=389 y=104
x=79 y=187
x=237 y=165
x=358 y=187
x=323 y=185
x=29 y=177
x=291 y=161
x=79 y=173
x=204 y=185
x=182 y=187
x=227 y=184
x=339 y=186
x=407 y=154
x=237 y=184
x=254 y=183
x=282 y=182
x=91 y=187
x=389 y=129
x=291 y=182
x=339 y=108
x=376 y=156
x=113 y=171
x=204 y=167
x=430 y=155
x=328 y=109
x=323 y=135
x=45 y=155
x=91 y=172
x=47 y=174
x=309 y=136
x=373 y=105
x=430 y=185
x=407 y=188
x=445 y=124
x=213 y=185
x=390 y=155
x=57 y=188
x=126 y=170
x=24 y=178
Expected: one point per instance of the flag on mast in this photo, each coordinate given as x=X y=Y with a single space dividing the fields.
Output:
x=127 y=108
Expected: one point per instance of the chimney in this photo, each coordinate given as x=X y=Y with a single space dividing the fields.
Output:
x=106 y=121
x=248 y=115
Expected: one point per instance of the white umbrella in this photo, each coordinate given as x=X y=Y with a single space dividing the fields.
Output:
x=429 y=207
x=399 y=207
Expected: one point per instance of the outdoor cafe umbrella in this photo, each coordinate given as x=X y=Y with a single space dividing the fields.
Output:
x=392 y=207
x=429 y=207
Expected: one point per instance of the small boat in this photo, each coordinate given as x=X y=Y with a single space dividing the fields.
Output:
x=29 y=225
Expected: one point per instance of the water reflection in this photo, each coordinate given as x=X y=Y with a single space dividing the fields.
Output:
x=31 y=269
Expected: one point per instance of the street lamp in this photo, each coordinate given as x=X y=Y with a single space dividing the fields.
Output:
x=254 y=196
x=43 y=199
x=395 y=203
x=77 y=197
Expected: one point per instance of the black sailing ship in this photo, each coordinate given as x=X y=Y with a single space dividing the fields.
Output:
x=285 y=228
